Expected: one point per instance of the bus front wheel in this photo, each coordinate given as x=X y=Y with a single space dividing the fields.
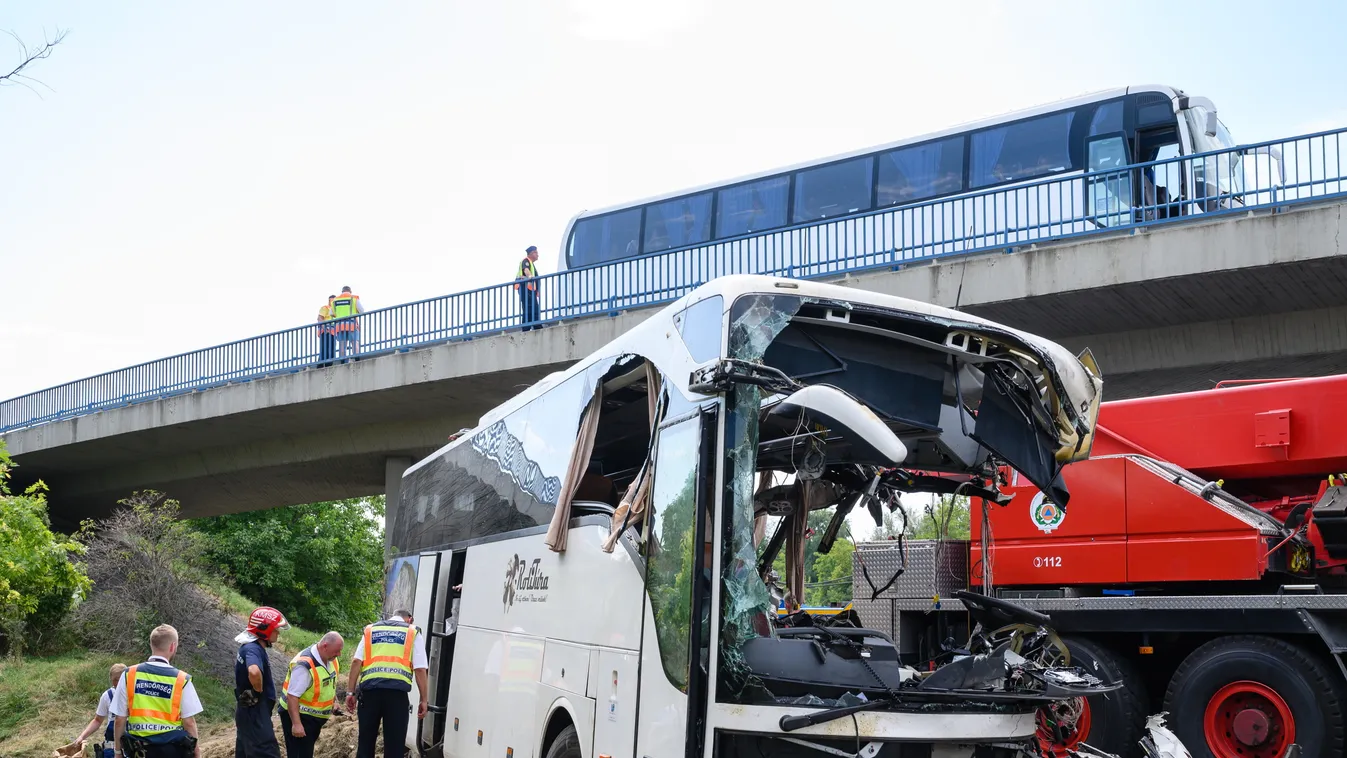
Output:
x=565 y=745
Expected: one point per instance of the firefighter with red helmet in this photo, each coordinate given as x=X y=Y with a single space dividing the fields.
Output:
x=254 y=688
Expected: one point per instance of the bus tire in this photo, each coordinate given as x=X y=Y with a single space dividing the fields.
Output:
x=1113 y=721
x=565 y=745
x=1251 y=695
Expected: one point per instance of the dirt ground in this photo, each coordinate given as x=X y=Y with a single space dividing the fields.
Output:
x=337 y=740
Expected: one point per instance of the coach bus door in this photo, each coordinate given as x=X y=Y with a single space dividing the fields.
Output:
x=676 y=637
x=435 y=613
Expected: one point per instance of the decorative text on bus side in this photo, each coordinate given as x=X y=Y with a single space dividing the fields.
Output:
x=525 y=582
x=498 y=444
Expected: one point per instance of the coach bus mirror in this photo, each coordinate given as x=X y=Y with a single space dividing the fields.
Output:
x=849 y=419
x=1212 y=123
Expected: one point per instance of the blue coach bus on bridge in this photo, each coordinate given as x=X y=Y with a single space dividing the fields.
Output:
x=967 y=188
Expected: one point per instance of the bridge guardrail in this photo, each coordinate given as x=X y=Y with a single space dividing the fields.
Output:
x=1297 y=170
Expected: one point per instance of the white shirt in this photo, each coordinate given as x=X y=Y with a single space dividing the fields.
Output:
x=419 y=658
x=191 y=704
x=104 y=703
x=301 y=678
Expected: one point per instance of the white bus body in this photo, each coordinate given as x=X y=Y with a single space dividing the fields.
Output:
x=582 y=652
x=1026 y=176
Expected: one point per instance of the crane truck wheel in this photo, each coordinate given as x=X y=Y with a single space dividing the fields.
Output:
x=1253 y=697
x=1111 y=722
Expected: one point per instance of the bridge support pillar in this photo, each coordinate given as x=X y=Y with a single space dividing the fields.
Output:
x=394 y=468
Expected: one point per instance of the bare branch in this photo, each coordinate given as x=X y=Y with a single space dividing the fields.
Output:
x=30 y=56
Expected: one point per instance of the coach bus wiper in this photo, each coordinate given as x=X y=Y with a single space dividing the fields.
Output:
x=791 y=723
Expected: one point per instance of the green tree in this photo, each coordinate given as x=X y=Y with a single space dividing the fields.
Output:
x=320 y=564
x=832 y=576
x=947 y=517
x=39 y=582
x=818 y=523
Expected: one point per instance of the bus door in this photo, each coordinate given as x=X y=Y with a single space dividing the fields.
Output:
x=1159 y=190
x=435 y=612
x=676 y=638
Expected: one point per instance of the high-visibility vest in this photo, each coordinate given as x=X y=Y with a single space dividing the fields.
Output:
x=154 y=701
x=529 y=272
x=388 y=656
x=317 y=700
x=343 y=305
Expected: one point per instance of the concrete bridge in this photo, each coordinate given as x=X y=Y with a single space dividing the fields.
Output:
x=1165 y=308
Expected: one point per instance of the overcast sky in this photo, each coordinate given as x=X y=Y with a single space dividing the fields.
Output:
x=194 y=173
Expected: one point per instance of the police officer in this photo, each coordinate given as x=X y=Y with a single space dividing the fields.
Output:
x=395 y=653
x=155 y=705
x=253 y=686
x=310 y=690
x=342 y=310
x=526 y=281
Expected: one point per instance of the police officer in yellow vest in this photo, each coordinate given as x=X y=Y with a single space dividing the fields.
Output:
x=345 y=306
x=310 y=692
x=389 y=655
x=526 y=281
x=155 y=705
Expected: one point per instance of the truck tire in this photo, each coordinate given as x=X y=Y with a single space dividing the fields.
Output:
x=1252 y=697
x=1112 y=722
x=565 y=745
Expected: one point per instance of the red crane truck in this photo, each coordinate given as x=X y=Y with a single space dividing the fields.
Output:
x=1201 y=560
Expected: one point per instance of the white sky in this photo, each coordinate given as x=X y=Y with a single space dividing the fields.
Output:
x=204 y=172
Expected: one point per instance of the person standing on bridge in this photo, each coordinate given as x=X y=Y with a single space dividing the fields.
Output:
x=155 y=705
x=254 y=689
x=386 y=659
x=327 y=336
x=310 y=692
x=344 y=308
x=526 y=281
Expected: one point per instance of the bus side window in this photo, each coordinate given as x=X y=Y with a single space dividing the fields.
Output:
x=1109 y=191
x=672 y=540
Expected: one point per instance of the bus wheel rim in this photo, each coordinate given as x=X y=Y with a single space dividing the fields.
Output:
x=1073 y=739
x=1248 y=720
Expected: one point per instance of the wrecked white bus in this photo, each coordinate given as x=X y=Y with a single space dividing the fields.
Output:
x=608 y=527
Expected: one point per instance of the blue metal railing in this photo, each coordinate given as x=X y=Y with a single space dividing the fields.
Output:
x=1269 y=175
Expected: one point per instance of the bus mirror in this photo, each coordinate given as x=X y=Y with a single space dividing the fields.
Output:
x=1212 y=124
x=848 y=418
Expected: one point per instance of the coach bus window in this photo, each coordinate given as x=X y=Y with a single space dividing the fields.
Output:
x=672 y=542
x=1107 y=118
x=675 y=223
x=1023 y=150
x=752 y=207
x=606 y=238
x=831 y=191
x=701 y=326
x=910 y=174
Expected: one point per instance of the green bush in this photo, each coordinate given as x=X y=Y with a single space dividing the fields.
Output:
x=39 y=583
x=321 y=564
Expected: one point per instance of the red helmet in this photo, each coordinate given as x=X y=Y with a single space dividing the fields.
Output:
x=266 y=623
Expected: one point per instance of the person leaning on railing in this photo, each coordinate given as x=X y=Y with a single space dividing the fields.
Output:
x=327 y=335
x=526 y=281
x=344 y=309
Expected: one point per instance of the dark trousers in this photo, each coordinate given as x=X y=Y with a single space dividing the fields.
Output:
x=180 y=748
x=256 y=737
x=529 y=308
x=393 y=708
x=301 y=747
x=327 y=347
